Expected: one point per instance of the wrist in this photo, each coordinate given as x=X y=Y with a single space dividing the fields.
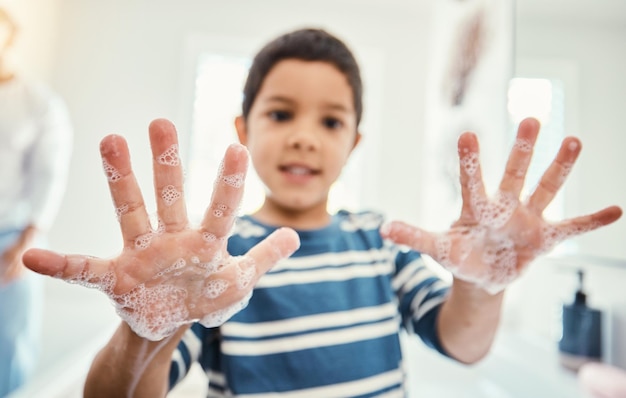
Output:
x=130 y=339
x=471 y=293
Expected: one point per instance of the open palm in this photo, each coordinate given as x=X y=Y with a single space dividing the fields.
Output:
x=173 y=274
x=496 y=238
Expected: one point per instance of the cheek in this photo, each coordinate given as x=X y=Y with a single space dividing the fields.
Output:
x=256 y=145
x=261 y=153
x=337 y=161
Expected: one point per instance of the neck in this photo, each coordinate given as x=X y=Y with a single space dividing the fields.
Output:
x=302 y=219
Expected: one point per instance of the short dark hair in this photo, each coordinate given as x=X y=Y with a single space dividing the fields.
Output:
x=306 y=45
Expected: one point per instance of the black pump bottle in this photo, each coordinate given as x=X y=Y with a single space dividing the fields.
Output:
x=581 y=341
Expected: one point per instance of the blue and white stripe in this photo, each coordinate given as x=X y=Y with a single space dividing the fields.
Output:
x=323 y=323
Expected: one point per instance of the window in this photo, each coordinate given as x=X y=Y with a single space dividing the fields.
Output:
x=217 y=101
x=544 y=100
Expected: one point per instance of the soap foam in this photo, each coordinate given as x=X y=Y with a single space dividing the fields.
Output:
x=154 y=312
x=169 y=194
x=142 y=242
x=234 y=180
x=213 y=266
x=246 y=271
x=470 y=163
x=523 y=145
x=181 y=292
x=217 y=318
x=499 y=263
x=495 y=213
x=104 y=283
x=220 y=210
x=111 y=172
x=566 y=168
x=178 y=264
x=501 y=260
x=170 y=156
x=121 y=210
x=214 y=288
x=208 y=237
x=555 y=234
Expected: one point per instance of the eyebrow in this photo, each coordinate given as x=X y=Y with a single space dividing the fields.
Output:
x=337 y=107
x=289 y=101
x=279 y=98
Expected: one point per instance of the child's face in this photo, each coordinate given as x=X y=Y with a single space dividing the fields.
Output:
x=300 y=132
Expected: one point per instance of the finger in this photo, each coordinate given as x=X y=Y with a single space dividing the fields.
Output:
x=472 y=186
x=555 y=175
x=280 y=244
x=126 y=195
x=556 y=233
x=227 y=192
x=89 y=271
x=519 y=158
x=168 y=175
x=408 y=235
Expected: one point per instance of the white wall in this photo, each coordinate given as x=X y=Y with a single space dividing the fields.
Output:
x=119 y=64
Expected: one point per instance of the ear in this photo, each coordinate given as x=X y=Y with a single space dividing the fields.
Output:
x=357 y=139
x=7 y=19
x=242 y=131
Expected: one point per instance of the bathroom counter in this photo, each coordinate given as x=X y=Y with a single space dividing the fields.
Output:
x=519 y=366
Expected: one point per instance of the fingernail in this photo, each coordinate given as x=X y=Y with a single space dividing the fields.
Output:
x=385 y=229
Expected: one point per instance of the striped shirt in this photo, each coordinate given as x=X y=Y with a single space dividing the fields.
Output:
x=324 y=322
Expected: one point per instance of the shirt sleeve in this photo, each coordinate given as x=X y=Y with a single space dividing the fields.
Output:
x=48 y=162
x=420 y=294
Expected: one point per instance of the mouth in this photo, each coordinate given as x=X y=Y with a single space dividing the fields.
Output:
x=299 y=170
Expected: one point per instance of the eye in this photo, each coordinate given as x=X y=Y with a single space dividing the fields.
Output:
x=280 y=116
x=332 y=123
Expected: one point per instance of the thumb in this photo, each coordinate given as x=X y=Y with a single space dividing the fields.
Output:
x=404 y=234
x=67 y=267
x=280 y=244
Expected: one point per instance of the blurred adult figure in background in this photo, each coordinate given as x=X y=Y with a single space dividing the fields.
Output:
x=35 y=149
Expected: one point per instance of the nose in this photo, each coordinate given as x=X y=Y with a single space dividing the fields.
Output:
x=304 y=138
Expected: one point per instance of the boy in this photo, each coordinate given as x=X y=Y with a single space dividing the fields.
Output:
x=325 y=321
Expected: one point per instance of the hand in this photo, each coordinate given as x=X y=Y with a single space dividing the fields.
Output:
x=174 y=274
x=496 y=238
x=11 y=266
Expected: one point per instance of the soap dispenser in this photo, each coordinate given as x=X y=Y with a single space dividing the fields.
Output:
x=581 y=341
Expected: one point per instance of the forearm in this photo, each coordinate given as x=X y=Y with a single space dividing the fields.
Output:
x=468 y=321
x=130 y=366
